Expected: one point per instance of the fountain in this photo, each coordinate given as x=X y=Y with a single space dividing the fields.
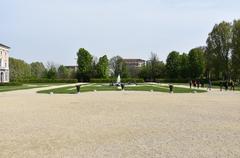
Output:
x=118 y=80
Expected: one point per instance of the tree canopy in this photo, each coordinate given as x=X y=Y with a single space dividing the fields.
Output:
x=84 y=60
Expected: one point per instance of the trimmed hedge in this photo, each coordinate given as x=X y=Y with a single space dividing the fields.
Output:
x=111 y=80
x=11 y=84
x=49 y=81
x=172 y=80
x=217 y=83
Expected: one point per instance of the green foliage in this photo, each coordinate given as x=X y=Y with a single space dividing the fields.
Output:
x=218 y=50
x=196 y=62
x=153 y=69
x=236 y=49
x=37 y=70
x=84 y=61
x=63 y=72
x=172 y=80
x=184 y=66
x=44 y=80
x=118 y=66
x=173 y=65
x=11 y=84
x=19 y=69
x=52 y=73
x=113 y=80
x=102 y=67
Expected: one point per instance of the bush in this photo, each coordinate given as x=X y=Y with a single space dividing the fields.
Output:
x=172 y=80
x=133 y=80
x=49 y=81
x=113 y=80
x=11 y=84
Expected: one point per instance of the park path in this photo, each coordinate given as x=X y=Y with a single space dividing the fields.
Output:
x=186 y=86
x=35 y=90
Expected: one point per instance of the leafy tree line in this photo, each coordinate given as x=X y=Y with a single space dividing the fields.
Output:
x=88 y=67
x=20 y=70
x=223 y=51
x=218 y=60
x=178 y=66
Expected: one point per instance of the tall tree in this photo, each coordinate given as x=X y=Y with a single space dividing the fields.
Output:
x=84 y=64
x=218 y=49
x=51 y=72
x=63 y=72
x=37 y=70
x=196 y=62
x=19 y=69
x=156 y=67
x=118 y=67
x=184 y=66
x=236 y=49
x=173 y=65
x=102 y=67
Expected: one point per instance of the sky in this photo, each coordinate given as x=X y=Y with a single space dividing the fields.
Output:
x=54 y=30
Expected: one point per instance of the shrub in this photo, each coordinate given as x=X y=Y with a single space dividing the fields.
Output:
x=172 y=80
x=11 y=84
x=110 y=80
x=49 y=81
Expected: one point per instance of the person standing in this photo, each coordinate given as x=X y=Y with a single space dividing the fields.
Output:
x=226 y=85
x=209 y=85
x=233 y=86
x=190 y=84
x=221 y=85
x=198 y=83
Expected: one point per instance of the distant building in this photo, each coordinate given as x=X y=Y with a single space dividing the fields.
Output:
x=4 y=63
x=134 y=63
x=134 y=66
x=73 y=68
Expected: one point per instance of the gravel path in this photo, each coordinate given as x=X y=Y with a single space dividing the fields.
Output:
x=120 y=124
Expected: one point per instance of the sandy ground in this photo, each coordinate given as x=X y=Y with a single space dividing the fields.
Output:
x=119 y=124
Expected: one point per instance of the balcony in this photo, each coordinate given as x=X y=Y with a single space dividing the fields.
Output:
x=3 y=68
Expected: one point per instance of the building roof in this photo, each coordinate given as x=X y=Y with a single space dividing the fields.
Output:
x=4 y=46
x=134 y=60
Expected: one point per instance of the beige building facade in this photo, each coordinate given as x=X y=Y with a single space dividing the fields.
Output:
x=4 y=63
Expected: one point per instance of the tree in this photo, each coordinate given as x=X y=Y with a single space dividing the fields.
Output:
x=63 y=72
x=102 y=67
x=51 y=72
x=145 y=72
x=37 y=70
x=218 y=50
x=19 y=69
x=156 y=67
x=173 y=65
x=196 y=62
x=153 y=69
x=84 y=64
x=118 y=67
x=236 y=49
x=184 y=66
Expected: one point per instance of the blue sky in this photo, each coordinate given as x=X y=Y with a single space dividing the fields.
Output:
x=53 y=30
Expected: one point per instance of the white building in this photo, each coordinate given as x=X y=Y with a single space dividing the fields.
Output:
x=4 y=63
x=134 y=63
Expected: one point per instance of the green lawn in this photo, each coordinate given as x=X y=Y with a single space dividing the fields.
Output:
x=106 y=87
x=26 y=86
